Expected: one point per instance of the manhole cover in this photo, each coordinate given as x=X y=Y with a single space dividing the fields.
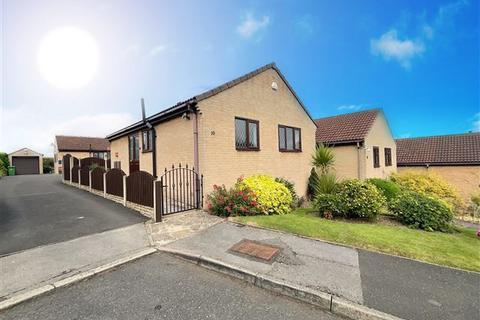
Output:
x=256 y=249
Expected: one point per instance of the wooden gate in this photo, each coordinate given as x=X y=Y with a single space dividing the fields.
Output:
x=140 y=188
x=179 y=189
x=114 y=182
x=66 y=167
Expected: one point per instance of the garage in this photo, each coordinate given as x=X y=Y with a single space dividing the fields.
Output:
x=26 y=161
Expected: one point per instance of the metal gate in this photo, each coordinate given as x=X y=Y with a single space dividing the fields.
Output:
x=179 y=189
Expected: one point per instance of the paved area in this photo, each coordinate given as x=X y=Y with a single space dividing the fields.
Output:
x=46 y=264
x=37 y=210
x=402 y=287
x=163 y=287
x=180 y=225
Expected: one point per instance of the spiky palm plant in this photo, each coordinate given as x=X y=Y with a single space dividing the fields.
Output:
x=323 y=158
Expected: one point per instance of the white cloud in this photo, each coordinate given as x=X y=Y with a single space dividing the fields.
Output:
x=405 y=135
x=250 y=26
x=476 y=122
x=39 y=135
x=351 y=107
x=157 y=50
x=390 y=46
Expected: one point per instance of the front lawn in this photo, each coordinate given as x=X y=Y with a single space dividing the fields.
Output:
x=459 y=249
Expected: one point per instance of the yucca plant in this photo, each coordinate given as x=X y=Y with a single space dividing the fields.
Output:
x=323 y=158
x=326 y=183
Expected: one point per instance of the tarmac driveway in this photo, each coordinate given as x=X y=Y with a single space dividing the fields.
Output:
x=37 y=210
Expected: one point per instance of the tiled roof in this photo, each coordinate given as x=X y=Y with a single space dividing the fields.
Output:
x=351 y=127
x=73 y=143
x=450 y=149
x=169 y=111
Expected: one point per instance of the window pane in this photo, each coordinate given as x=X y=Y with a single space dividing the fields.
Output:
x=252 y=131
x=137 y=149
x=130 y=146
x=150 y=139
x=297 y=139
x=240 y=133
x=289 y=138
x=281 y=137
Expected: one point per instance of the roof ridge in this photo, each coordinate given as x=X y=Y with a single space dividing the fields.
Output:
x=68 y=136
x=350 y=113
x=441 y=136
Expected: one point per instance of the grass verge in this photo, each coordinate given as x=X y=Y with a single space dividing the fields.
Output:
x=460 y=249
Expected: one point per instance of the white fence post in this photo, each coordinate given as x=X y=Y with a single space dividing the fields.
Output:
x=90 y=180
x=125 y=190
x=104 y=184
x=71 y=169
x=79 y=179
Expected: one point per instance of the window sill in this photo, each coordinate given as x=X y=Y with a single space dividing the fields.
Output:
x=247 y=149
x=291 y=151
x=147 y=151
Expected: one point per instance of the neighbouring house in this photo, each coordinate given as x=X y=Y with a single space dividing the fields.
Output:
x=455 y=157
x=362 y=142
x=79 y=147
x=255 y=124
x=26 y=161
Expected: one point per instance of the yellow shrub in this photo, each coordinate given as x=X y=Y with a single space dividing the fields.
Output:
x=272 y=197
x=429 y=184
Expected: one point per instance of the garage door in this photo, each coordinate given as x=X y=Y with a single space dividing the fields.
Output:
x=26 y=165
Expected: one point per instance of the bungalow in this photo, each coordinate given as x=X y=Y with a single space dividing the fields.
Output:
x=454 y=157
x=79 y=147
x=362 y=143
x=251 y=125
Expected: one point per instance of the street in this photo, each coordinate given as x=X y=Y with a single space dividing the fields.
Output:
x=160 y=286
x=37 y=210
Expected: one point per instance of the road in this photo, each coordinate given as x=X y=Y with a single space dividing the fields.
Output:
x=37 y=210
x=160 y=286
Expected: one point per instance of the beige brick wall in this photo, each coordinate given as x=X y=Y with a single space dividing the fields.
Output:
x=380 y=136
x=346 y=161
x=119 y=152
x=465 y=178
x=254 y=99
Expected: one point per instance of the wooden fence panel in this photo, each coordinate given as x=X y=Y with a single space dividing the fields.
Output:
x=76 y=162
x=66 y=167
x=85 y=176
x=75 y=173
x=97 y=178
x=88 y=162
x=114 y=182
x=140 y=188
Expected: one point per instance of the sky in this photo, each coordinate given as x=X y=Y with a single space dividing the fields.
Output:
x=417 y=60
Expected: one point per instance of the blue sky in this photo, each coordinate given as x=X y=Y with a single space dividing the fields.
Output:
x=418 y=60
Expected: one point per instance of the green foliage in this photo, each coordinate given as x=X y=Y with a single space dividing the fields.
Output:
x=421 y=211
x=312 y=183
x=353 y=199
x=388 y=188
x=4 y=163
x=232 y=202
x=428 y=184
x=47 y=165
x=475 y=198
x=323 y=158
x=327 y=183
x=272 y=197
x=291 y=187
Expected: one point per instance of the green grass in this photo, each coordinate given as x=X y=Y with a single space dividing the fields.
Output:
x=460 y=249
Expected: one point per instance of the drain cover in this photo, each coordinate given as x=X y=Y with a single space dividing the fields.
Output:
x=256 y=249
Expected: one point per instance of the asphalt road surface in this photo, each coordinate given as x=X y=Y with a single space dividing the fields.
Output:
x=160 y=286
x=38 y=209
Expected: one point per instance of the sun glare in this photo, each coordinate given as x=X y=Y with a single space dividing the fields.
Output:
x=68 y=58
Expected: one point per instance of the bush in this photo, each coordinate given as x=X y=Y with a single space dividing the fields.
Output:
x=4 y=163
x=291 y=187
x=232 y=202
x=353 y=199
x=428 y=184
x=420 y=211
x=272 y=197
x=47 y=165
x=327 y=183
x=388 y=188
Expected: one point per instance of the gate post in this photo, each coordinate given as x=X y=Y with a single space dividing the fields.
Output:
x=197 y=191
x=79 y=178
x=157 y=189
x=105 y=184
x=90 y=180
x=125 y=190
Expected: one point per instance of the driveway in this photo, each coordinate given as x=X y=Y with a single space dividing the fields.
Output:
x=37 y=210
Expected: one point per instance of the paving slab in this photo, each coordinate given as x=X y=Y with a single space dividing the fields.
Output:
x=304 y=262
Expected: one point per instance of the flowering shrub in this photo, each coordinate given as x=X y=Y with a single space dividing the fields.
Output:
x=352 y=199
x=272 y=197
x=421 y=211
x=428 y=184
x=232 y=202
x=291 y=187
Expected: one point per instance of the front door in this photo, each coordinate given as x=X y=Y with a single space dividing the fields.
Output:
x=134 y=153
